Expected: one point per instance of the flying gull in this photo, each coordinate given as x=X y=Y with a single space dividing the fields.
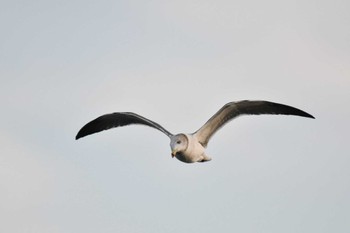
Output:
x=190 y=148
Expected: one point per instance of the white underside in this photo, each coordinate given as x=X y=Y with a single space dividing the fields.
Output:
x=195 y=152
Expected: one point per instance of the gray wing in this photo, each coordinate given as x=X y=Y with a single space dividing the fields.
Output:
x=245 y=107
x=117 y=119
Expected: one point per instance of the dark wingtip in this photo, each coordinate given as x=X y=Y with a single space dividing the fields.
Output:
x=77 y=137
x=89 y=128
x=80 y=134
x=305 y=114
x=293 y=111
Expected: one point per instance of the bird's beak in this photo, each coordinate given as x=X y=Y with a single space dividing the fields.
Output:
x=173 y=153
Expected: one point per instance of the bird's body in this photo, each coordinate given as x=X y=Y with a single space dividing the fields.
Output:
x=193 y=151
x=190 y=148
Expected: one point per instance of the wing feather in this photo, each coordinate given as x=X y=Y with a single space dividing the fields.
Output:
x=234 y=109
x=117 y=119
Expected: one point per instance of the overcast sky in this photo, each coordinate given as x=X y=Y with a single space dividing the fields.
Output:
x=64 y=63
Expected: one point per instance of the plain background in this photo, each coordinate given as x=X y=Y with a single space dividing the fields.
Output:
x=63 y=63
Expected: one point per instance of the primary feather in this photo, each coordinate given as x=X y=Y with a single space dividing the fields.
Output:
x=117 y=119
x=233 y=109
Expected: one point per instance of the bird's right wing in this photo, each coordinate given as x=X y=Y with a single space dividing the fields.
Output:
x=117 y=119
x=245 y=107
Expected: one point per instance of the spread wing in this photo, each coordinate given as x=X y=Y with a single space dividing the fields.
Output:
x=245 y=107
x=117 y=119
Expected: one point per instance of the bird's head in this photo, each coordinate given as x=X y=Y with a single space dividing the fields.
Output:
x=178 y=144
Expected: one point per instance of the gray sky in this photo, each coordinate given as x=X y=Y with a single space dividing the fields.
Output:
x=63 y=63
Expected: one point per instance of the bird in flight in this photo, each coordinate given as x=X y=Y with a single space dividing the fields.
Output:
x=190 y=148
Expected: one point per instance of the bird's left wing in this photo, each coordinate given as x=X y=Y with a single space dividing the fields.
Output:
x=117 y=119
x=234 y=109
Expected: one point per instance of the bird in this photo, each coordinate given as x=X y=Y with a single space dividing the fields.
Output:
x=190 y=147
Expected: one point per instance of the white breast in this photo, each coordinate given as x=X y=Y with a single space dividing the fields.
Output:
x=193 y=153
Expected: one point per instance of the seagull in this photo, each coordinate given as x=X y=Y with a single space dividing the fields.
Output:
x=190 y=148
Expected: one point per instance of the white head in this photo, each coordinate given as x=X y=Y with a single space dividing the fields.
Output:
x=178 y=144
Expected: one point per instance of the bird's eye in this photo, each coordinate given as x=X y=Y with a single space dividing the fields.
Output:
x=178 y=142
